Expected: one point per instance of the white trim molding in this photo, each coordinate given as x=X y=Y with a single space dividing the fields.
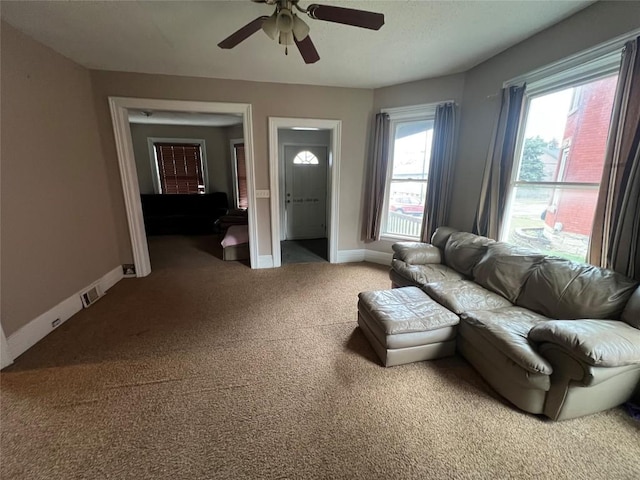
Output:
x=234 y=169
x=411 y=112
x=382 y=258
x=265 y=261
x=120 y=107
x=335 y=126
x=600 y=57
x=351 y=256
x=363 y=255
x=5 y=356
x=38 y=328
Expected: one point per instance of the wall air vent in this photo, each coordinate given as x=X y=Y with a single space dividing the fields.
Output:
x=90 y=296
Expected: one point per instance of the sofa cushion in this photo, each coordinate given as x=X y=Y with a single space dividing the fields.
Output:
x=631 y=312
x=562 y=289
x=423 y=274
x=464 y=295
x=507 y=329
x=505 y=268
x=603 y=343
x=464 y=250
x=441 y=235
x=416 y=253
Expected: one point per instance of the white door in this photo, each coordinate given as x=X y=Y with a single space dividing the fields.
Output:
x=305 y=191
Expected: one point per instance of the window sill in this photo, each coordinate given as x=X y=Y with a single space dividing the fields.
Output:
x=398 y=238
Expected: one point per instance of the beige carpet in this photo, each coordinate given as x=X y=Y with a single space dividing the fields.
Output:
x=207 y=369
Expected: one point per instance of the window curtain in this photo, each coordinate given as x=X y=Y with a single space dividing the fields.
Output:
x=497 y=171
x=379 y=160
x=615 y=239
x=440 y=170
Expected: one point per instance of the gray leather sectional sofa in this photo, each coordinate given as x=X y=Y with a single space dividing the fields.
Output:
x=551 y=336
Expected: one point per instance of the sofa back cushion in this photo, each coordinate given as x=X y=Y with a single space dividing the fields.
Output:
x=441 y=235
x=464 y=250
x=505 y=268
x=631 y=313
x=565 y=290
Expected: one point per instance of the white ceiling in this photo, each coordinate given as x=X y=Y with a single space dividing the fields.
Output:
x=420 y=39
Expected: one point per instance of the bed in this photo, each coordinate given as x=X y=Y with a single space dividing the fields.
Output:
x=235 y=244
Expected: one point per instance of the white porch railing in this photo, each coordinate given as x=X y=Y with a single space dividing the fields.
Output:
x=404 y=225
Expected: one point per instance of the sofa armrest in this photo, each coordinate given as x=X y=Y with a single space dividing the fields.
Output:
x=598 y=343
x=417 y=253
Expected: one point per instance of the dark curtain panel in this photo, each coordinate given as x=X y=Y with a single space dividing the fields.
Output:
x=497 y=171
x=378 y=162
x=615 y=240
x=440 y=171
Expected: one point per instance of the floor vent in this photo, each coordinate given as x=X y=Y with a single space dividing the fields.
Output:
x=90 y=296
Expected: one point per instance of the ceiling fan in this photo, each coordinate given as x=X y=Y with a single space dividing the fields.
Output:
x=285 y=25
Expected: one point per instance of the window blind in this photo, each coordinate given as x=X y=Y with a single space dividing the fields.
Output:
x=179 y=168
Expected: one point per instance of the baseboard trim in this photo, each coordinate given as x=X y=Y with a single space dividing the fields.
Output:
x=38 y=328
x=373 y=256
x=5 y=356
x=265 y=261
x=351 y=256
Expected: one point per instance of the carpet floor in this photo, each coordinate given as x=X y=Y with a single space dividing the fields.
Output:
x=210 y=370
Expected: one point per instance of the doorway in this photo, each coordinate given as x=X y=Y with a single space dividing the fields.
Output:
x=120 y=108
x=304 y=159
x=305 y=198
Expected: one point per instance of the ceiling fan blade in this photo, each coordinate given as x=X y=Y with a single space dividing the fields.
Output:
x=346 y=16
x=242 y=34
x=307 y=50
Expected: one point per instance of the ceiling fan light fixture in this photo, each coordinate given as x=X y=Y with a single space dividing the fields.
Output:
x=270 y=27
x=300 y=28
x=284 y=21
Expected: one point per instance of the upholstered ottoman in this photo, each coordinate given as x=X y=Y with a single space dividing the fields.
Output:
x=404 y=325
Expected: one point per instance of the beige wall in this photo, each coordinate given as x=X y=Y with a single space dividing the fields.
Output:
x=352 y=106
x=57 y=217
x=431 y=90
x=218 y=153
x=592 y=26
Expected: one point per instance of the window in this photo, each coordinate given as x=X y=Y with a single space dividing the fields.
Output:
x=563 y=138
x=410 y=150
x=306 y=158
x=240 y=175
x=179 y=168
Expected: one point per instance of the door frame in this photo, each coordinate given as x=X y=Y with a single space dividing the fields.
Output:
x=335 y=126
x=119 y=107
x=283 y=183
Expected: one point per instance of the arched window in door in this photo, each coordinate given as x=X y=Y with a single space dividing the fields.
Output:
x=305 y=158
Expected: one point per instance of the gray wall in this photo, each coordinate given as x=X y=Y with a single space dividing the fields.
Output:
x=589 y=27
x=218 y=153
x=58 y=229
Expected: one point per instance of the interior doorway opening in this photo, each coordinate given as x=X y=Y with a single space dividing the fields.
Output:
x=187 y=177
x=304 y=160
x=121 y=109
